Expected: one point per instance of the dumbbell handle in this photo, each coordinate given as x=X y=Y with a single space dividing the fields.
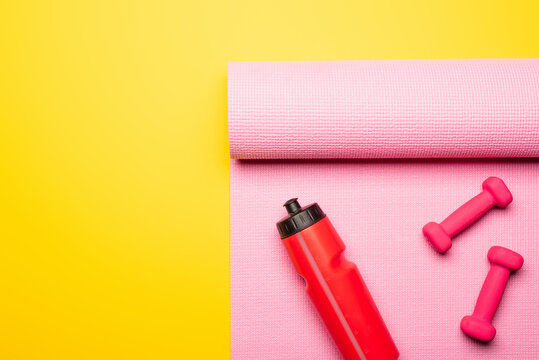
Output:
x=491 y=292
x=468 y=213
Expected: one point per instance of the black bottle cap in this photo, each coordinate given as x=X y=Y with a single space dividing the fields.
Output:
x=298 y=218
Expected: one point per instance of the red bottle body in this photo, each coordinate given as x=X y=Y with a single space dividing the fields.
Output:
x=339 y=293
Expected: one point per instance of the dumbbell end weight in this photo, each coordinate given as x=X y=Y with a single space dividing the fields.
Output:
x=477 y=328
x=437 y=237
x=505 y=257
x=499 y=191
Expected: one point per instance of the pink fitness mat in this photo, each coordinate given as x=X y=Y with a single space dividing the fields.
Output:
x=384 y=147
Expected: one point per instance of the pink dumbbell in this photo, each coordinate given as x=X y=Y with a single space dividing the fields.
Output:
x=494 y=193
x=478 y=325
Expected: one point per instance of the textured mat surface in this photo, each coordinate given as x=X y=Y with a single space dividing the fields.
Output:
x=380 y=206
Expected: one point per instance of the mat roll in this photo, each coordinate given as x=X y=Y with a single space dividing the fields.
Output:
x=384 y=109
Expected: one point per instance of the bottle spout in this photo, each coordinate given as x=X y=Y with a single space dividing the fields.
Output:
x=292 y=206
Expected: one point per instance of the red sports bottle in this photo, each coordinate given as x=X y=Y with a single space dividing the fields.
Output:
x=334 y=284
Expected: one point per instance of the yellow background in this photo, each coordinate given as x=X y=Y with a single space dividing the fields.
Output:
x=114 y=180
